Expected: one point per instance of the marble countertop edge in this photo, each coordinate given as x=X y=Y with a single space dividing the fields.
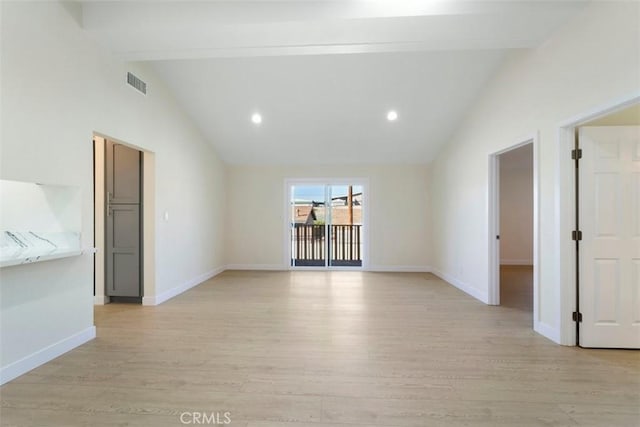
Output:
x=29 y=257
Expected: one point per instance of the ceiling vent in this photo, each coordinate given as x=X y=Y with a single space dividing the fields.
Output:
x=136 y=83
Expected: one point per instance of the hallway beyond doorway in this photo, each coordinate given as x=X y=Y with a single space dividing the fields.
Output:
x=516 y=289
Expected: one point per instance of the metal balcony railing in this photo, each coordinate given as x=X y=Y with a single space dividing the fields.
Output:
x=309 y=247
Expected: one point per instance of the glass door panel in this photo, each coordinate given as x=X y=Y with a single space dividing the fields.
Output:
x=308 y=226
x=345 y=225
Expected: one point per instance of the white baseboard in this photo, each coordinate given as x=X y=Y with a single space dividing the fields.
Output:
x=100 y=299
x=257 y=267
x=40 y=357
x=400 y=268
x=548 y=331
x=464 y=287
x=168 y=294
x=516 y=262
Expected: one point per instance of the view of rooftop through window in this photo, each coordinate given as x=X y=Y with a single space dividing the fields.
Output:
x=326 y=225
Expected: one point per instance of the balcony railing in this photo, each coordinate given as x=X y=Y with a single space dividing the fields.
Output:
x=311 y=248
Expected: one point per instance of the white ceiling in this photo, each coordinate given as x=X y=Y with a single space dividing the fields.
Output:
x=324 y=73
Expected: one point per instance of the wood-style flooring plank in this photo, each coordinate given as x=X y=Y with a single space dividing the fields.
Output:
x=321 y=349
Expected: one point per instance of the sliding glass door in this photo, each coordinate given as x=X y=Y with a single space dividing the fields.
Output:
x=326 y=225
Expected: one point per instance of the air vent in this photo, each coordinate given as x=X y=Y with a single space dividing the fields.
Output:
x=137 y=84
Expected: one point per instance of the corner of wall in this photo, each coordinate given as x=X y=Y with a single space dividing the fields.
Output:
x=464 y=287
x=400 y=268
x=181 y=288
x=258 y=267
x=548 y=331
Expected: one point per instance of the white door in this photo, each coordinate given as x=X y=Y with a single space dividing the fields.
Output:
x=609 y=209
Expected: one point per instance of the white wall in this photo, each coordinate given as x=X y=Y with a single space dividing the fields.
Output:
x=58 y=88
x=398 y=214
x=27 y=206
x=593 y=61
x=516 y=208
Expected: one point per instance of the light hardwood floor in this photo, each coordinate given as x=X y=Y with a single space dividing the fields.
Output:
x=327 y=349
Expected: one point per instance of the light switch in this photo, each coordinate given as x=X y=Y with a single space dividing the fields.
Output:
x=166 y=216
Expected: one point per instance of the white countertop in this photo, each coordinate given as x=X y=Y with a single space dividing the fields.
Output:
x=31 y=256
x=25 y=247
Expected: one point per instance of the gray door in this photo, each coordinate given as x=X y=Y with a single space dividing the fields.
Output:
x=123 y=221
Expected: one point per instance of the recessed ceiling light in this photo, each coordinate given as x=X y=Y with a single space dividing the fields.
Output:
x=392 y=116
x=256 y=118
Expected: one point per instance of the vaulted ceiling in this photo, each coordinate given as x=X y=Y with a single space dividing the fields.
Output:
x=324 y=74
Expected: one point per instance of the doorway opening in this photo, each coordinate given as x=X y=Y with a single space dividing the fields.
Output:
x=513 y=228
x=124 y=225
x=326 y=224
x=516 y=228
x=607 y=230
x=618 y=112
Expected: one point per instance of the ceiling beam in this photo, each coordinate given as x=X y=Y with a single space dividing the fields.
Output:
x=353 y=36
x=144 y=31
